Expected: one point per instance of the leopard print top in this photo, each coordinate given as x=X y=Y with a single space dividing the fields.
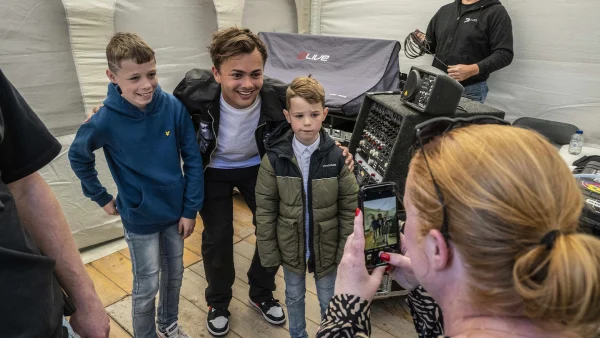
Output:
x=350 y=316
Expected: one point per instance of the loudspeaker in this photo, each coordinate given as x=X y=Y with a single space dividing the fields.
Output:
x=385 y=132
x=431 y=91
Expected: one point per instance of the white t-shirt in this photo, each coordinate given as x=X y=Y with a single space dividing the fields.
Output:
x=236 y=145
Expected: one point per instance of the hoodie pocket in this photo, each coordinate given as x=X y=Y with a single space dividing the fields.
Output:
x=160 y=204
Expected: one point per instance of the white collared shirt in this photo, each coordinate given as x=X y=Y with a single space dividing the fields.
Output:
x=303 y=154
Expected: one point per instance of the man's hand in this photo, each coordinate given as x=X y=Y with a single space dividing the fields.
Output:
x=186 y=227
x=420 y=35
x=111 y=208
x=94 y=111
x=346 y=153
x=90 y=320
x=463 y=72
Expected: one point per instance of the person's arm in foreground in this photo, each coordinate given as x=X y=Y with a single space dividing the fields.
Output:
x=354 y=290
x=42 y=217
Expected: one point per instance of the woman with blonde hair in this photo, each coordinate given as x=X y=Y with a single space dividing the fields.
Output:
x=491 y=234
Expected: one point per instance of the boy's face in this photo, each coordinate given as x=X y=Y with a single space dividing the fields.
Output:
x=137 y=82
x=241 y=78
x=306 y=119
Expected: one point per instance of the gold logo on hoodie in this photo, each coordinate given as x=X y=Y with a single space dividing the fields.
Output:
x=168 y=132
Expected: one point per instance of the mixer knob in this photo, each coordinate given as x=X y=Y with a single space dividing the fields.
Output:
x=385 y=165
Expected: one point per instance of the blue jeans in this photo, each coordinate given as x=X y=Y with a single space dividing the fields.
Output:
x=295 y=290
x=476 y=91
x=152 y=255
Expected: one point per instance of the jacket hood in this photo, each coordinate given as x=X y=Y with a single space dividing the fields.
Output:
x=280 y=141
x=478 y=6
x=117 y=103
x=481 y=3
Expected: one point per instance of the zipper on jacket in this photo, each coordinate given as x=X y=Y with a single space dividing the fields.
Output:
x=256 y=139
x=212 y=126
x=304 y=209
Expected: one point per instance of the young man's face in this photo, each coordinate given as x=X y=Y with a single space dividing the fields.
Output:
x=137 y=82
x=241 y=78
x=306 y=119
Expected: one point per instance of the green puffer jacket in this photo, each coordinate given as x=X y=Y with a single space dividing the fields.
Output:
x=332 y=195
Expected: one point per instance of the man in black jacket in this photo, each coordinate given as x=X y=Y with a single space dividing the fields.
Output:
x=471 y=39
x=235 y=108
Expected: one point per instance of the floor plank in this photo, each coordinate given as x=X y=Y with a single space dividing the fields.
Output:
x=240 y=210
x=116 y=331
x=191 y=318
x=397 y=327
x=251 y=239
x=108 y=291
x=194 y=242
x=242 y=230
x=117 y=268
x=193 y=287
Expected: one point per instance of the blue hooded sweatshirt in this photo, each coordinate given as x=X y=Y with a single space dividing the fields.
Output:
x=144 y=150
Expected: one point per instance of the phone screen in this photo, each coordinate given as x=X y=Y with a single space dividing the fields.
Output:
x=380 y=210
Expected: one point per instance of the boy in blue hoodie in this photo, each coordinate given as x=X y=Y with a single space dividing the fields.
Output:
x=145 y=133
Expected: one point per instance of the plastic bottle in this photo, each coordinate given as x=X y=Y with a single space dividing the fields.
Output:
x=576 y=143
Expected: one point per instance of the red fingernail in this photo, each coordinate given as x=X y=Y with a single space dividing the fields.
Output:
x=357 y=211
x=387 y=268
x=384 y=257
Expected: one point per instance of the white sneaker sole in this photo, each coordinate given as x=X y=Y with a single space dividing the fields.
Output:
x=216 y=334
x=274 y=322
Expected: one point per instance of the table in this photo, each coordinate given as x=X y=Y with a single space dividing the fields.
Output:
x=591 y=146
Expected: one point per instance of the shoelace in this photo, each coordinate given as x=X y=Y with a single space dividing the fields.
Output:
x=220 y=312
x=270 y=303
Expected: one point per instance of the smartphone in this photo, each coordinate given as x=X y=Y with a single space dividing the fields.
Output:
x=380 y=206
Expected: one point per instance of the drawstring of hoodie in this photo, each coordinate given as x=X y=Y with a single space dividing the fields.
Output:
x=478 y=16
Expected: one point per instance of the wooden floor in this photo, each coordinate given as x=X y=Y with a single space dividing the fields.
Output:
x=113 y=280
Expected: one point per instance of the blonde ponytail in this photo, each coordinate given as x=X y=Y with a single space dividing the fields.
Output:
x=561 y=283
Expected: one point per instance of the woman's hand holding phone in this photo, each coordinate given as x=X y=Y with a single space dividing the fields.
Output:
x=401 y=267
x=352 y=275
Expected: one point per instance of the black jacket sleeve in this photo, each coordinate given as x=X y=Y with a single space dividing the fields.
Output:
x=25 y=143
x=431 y=33
x=501 y=45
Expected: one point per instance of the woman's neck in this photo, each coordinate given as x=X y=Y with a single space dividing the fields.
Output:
x=461 y=319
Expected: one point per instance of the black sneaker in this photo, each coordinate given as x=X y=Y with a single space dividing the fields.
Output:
x=271 y=310
x=217 y=321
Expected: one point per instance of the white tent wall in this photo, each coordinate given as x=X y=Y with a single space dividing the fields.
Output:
x=555 y=73
x=53 y=51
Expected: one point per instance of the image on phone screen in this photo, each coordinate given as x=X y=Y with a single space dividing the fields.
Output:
x=381 y=225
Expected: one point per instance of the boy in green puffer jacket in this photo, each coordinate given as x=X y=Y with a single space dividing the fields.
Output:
x=305 y=201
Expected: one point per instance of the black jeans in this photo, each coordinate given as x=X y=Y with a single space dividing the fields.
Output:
x=217 y=237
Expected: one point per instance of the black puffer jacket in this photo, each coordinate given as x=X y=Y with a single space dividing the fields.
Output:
x=200 y=94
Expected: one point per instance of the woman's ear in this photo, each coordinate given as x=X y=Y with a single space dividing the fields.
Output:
x=437 y=250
